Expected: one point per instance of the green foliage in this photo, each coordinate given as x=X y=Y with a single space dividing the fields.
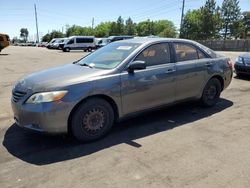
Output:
x=191 y=28
x=103 y=29
x=54 y=34
x=210 y=20
x=113 y=29
x=130 y=27
x=145 y=28
x=78 y=30
x=245 y=21
x=163 y=28
x=231 y=15
x=118 y=27
x=203 y=23
x=24 y=33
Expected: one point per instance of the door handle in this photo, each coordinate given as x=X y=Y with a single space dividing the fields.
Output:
x=170 y=71
x=208 y=64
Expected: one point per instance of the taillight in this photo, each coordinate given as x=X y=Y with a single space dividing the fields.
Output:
x=230 y=64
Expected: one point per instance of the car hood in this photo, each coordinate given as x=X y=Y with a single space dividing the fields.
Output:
x=58 y=77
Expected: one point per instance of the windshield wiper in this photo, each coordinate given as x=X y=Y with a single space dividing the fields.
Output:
x=86 y=65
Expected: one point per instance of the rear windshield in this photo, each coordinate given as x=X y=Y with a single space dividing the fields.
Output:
x=109 y=56
x=210 y=52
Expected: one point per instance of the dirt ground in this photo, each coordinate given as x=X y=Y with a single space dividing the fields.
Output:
x=181 y=146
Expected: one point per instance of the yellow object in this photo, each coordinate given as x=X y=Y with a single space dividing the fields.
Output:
x=4 y=41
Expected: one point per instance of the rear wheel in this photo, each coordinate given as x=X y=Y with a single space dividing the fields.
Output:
x=89 y=49
x=211 y=92
x=92 y=120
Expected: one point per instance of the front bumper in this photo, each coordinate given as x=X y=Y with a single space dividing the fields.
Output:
x=242 y=69
x=49 y=117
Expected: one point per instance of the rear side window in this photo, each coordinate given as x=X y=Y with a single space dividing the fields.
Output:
x=185 y=52
x=155 y=55
x=201 y=55
x=84 y=40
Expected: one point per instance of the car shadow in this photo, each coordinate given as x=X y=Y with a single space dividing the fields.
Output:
x=73 y=51
x=243 y=77
x=4 y=54
x=40 y=149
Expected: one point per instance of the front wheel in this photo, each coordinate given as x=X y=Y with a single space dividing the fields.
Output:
x=92 y=120
x=211 y=92
x=66 y=49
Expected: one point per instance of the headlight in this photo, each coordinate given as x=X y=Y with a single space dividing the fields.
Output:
x=46 y=97
x=239 y=60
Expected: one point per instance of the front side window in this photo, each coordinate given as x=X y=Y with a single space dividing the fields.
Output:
x=71 y=41
x=155 y=55
x=109 y=56
x=185 y=52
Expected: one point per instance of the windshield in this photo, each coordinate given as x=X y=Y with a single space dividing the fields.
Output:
x=109 y=56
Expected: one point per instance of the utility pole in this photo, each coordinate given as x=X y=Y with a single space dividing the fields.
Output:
x=182 y=15
x=93 y=22
x=37 y=36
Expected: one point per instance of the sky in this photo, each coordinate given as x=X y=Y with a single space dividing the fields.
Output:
x=56 y=14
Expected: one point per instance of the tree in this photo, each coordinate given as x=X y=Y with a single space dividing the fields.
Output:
x=145 y=28
x=191 y=28
x=210 y=20
x=54 y=34
x=24 y=33
x=202 y=23
x=165 y=28
x=79 y=30
x=113 y=29
x=230 y=12
x=103 y=29
x=246 y=24
x=120 y=26
x=130 y=27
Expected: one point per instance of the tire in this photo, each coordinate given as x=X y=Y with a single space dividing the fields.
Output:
x=66 y=49
x=92 y=120
x=211 y=92
x=89 y=49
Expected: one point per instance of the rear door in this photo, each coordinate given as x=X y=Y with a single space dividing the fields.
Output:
x=153 y=86
x=189 y=79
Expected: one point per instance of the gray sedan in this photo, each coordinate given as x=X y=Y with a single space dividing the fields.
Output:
x=117 y=81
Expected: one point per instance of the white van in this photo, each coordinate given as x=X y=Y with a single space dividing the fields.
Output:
x=86 y=43
x=54 y=40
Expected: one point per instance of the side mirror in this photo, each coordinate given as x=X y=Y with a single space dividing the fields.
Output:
x=136 y=65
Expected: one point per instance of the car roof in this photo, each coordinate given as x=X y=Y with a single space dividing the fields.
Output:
x=155 y=39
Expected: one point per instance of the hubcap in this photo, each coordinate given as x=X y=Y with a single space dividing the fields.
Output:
x=211 y=92
x=93 y=120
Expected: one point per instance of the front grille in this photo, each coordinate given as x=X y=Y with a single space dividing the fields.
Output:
x=17 y=95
